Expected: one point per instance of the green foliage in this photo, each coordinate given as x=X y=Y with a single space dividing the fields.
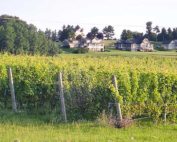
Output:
x=68 y=32
x=145 y=84
x=152 y=33
x=17 y=37
x=94 y=33
x=127 y=34
x=108 y=32
x=81 y=50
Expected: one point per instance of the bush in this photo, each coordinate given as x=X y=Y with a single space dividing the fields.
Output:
x=81 y=50
x=107 y=50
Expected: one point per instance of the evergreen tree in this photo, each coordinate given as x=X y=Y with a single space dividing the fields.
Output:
x=170 y=35
x=163 y=36
x=174 y=33
x=108 y=32
x=157 y=31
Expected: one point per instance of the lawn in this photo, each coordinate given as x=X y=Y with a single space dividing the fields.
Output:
x=85 y=132
x=24 y=128
x=114 y=52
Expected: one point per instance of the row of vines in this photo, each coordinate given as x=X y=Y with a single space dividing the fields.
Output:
x=145 y=85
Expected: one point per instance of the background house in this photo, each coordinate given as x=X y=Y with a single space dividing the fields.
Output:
x=95 y=45
x=134 y=45
x=170 y=45
x=92 y=45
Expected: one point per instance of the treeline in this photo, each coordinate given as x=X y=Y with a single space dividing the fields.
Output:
x=71 y=32
x=17 y=37
x=152 y=33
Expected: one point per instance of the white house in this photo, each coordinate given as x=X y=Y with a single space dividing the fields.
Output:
x=134 y=45
x=95 y=45
x=170 y=45
x=92 y=45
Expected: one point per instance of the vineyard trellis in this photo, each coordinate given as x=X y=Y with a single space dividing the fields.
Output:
x=88 y=87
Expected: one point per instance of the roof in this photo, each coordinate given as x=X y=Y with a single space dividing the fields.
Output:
x=166 y=42
x=173 y=42
x=170 y=42
x=130 y=41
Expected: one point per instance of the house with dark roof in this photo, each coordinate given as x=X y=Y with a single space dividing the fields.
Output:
x=135 y=45
x=170 y=45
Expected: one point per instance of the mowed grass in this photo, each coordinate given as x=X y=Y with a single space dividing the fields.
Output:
x=23 y=128
x=112 y=52
x=115 y=52
x=85 y=132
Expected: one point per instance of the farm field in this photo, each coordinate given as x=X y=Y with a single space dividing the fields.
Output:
x=147 y=81
x=22 y=128
x=100 y=72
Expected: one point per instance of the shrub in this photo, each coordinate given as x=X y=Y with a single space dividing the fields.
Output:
x=81 y=50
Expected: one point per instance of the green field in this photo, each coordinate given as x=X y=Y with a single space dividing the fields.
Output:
x=23 y=128
x=115 y=52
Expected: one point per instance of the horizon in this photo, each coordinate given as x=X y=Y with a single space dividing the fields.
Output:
x=54 y=14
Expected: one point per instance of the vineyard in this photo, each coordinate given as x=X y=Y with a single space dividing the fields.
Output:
x=147 y=85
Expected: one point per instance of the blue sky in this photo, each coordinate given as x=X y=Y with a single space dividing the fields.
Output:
x=122 y=14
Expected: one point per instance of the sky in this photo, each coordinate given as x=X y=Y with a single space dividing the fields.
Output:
x=121 y=14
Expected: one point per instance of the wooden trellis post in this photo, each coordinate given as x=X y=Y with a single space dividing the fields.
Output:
x=61 y=94
x=118 y=108
x=165 y=113
x=12 y=90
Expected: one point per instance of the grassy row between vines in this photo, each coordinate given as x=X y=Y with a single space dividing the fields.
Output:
x=29 y=128
x=146 y=84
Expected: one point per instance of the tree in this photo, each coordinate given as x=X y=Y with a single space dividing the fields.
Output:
x=48 y=34
x=93 y=33
x=77 y=28
x=163 y=36
x=33 y=35
x=2 y=38
x=157 y=31
x=137 y=36
x=90 y=36
x=17 y=37
x=126 y=34
x=54 y=36
x=174 y=33
x=108 y=32
x=149 y=30
x=100 y=36
x=9 y=38
x=53 y=48
x=149 y=27
x=170 y=34
x=68 y=32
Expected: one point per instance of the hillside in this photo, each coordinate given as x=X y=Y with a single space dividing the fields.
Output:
x=18 y=37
